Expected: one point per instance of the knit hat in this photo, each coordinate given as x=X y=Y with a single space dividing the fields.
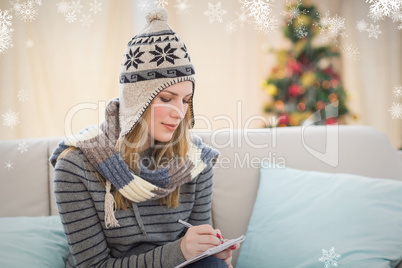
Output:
x=155 y=59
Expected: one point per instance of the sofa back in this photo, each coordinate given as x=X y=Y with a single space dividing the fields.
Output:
x=27 y=177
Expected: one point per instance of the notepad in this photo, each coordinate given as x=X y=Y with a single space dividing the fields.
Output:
x=213 y=251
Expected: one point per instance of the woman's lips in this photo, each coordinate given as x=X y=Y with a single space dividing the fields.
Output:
x=170 y=127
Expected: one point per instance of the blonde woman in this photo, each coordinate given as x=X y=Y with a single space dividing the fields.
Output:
x=122 y=187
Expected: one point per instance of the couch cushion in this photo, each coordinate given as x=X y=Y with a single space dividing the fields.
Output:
x=346 y=149
x=24 y=186
x=312 y=219
x=32 y=242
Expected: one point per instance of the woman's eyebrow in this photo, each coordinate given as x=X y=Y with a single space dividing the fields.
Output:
x=175 y=93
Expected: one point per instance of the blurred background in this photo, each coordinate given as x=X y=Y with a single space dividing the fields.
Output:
x=259 y=63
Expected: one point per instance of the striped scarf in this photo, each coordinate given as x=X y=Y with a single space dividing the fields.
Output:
x=98 y=145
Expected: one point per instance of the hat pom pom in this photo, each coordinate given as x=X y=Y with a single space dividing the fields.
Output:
x=158 y=14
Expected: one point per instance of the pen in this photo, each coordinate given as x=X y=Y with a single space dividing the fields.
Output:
x=188 y=225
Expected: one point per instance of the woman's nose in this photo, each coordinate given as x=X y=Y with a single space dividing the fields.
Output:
x=178 y=110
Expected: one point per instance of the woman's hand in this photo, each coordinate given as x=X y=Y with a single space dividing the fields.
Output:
x=198 y=239
x=226 y=255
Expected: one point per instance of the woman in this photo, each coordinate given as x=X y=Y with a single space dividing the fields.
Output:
x=121 y=188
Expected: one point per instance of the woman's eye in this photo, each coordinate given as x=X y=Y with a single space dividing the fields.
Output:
x=186 y=101
x=164 y=100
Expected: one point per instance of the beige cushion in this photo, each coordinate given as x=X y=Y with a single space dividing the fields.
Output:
x=24 y=189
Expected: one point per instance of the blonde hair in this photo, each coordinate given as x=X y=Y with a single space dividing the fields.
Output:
x=128 y=146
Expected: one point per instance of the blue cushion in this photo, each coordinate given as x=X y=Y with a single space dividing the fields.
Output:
x=315 y=219
x=32 y=242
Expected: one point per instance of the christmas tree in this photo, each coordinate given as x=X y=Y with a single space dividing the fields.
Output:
x=304 y=83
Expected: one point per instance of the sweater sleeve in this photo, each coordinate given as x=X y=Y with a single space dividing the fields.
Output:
x=87 y=243
x=201 y=213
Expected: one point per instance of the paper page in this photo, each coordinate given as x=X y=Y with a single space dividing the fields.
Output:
x=213 y=251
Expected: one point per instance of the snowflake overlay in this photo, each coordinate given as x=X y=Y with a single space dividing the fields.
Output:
x=22 y=95
x=361 y=25
x=143 y=5
x=242 y=18
x=301 y=31
x=269 y=25
x=329 y=258
x=86 y=20
x=231 y=27
x=215 y=12
x=351 y=52
x=260 y=11
x=8 y=165
x=332 y=27
x=397 y=91
x=23 y=147
x=5 y=31
x=26 y=11
x=293 y=11
x=161 y=3
x=70 y=10
x=95 y=7
x=383 y=8
x=5 y=19
x=182 y=6
x=10 y=119
x=29 y=43
x=396 y=110
x=374 y=31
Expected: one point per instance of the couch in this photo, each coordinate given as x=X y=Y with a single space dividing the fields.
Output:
x=26 y=176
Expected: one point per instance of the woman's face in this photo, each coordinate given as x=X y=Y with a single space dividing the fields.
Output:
x=168 y=110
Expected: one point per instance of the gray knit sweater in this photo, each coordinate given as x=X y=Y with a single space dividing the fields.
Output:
x=148 y=236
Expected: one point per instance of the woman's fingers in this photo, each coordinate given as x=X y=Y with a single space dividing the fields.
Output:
x=197 y=240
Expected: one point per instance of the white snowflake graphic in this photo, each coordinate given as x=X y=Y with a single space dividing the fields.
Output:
x=332 y=27
x=8 y=165
x=5 y=31
x=396 y=110
x=10 y=119
x=351 y=51
x=17 y=6
x=301 y=31
x=215 y=12
x=143 y=5
x=86 y=20
x=23 y=147
x=5 y=19
x=5 y=38
x=374 y=31
x=329 y=258
x=258 y=9
x=231 y=27
x=27 y=11
x=76 y=6
x=361 y=25
x=95 y=7
x=72 y=9
x=268 y=25
x=383 y=8
x=29 y=43
x=242 y=18
x=23 y=95
x=71 y=17
x=63 y=7
x=397 y=91
x=396 y=15
x=182 y=6
x=293 y=11
x=161 y=3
